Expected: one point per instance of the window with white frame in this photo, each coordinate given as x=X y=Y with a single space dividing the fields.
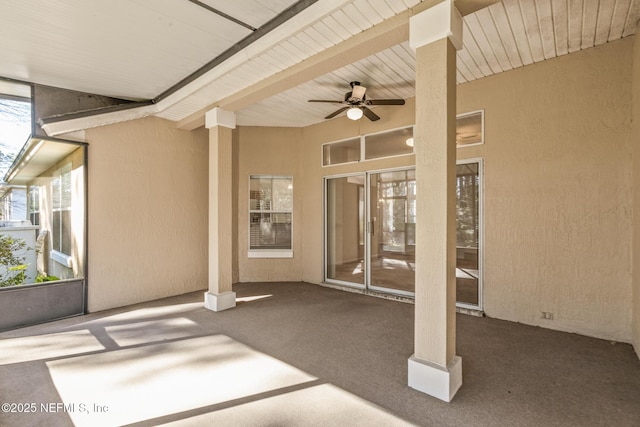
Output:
x=61 y=198
x=470 y=129
x=390 y=143
x=346 y=151
x=34 y=204
x=5 y=206
x=270 y=216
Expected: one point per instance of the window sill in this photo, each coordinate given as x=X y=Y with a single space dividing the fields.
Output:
x=266 y=253
x=61 y=258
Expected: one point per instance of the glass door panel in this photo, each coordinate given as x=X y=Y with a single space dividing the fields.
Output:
x=392 y=225
x=345 y=230
x=468 y=233
x=370 y=231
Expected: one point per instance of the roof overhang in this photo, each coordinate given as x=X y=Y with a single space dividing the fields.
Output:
x=36 y=157
x=301 y=17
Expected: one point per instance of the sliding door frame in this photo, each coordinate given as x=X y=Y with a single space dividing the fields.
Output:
x=367 y=246
x=368 y=261
x=480 y=162
x=366 y=286
x=325 y=221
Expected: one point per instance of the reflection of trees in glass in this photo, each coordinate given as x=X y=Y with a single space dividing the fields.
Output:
x=15 y=126
x=396 y=196
x=271 y=194
x=467 y=180
x=270 y=211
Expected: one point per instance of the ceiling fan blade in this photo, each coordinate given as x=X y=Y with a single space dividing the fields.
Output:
x=385 y=102
x=325 y=100
x=335 y=113
x=370 y=114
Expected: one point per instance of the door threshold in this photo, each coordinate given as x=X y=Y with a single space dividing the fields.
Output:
x=394 y=297
x=470 y=311
x=377 y=294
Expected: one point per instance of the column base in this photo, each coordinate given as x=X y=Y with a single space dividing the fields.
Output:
x=434 y=380
x=219 y=302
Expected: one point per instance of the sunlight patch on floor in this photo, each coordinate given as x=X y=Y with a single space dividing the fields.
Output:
x=320 y=405
x=397 y=264
x=156 y=380
x=145 y=313
x=153 y=331
x=38 y=347
x=466 y=273
x=358 y=269
x=252 y=298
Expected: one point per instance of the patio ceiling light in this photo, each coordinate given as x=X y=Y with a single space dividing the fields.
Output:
x=354 y=113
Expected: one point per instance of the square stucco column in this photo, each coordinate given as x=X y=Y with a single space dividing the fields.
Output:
x=434 y=368
x=220 y=295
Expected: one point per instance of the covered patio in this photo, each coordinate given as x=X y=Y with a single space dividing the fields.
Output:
x=292 y=353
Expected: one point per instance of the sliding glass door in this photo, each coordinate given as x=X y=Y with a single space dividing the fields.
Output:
x=345 y=230
x=392 y=231
x=468 y=234
x=370 y=231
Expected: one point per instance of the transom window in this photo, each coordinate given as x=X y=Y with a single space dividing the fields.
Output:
x=396 y=142
x=470 y=129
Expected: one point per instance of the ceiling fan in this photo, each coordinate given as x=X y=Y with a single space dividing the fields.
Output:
x=357 y=103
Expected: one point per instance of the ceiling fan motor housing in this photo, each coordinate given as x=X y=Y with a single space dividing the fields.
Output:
x=357 y=94
x=353 y=100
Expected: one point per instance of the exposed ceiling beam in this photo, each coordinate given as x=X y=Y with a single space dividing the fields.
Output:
x=385 y=35
x=389 y=33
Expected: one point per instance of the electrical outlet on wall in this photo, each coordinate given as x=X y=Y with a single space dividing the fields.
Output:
x=547 y=315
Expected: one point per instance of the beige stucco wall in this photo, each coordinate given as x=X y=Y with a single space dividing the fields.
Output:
x=635 y=142
x=147 y=212
x=269 y=151
x=558 y=191
x=558 y=200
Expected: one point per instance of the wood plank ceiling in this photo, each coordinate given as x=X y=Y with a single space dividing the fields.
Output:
x=499 y=38
x=513 y=33
x=345 y=22
x=140 y=49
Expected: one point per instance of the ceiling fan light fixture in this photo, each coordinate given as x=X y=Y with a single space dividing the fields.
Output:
x=357 y=105
x=354 y=113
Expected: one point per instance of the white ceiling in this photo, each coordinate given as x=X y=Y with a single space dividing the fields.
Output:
x=121 y=48
x=140 y=49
